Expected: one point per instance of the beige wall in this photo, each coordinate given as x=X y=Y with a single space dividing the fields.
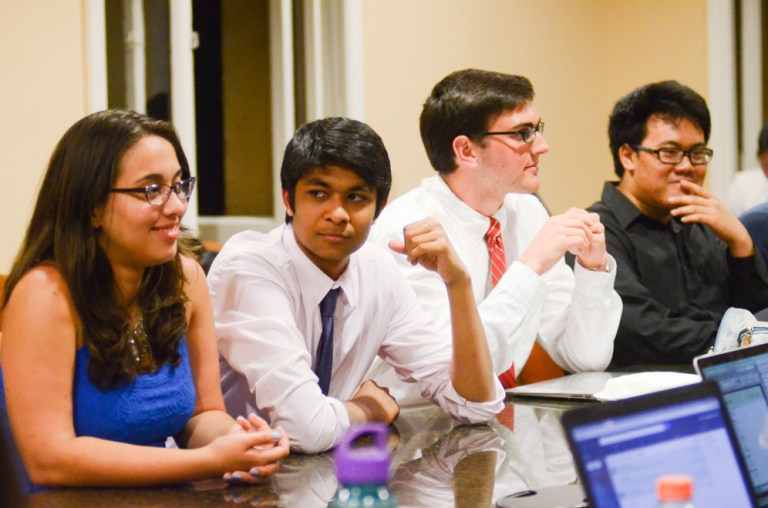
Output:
x=580 y=55
x=42 y=92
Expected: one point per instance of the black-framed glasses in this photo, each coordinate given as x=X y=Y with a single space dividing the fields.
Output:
x=526 y=134
x=157 y=194
x=672 y=155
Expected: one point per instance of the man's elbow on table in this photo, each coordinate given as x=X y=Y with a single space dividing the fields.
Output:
x=311 y=434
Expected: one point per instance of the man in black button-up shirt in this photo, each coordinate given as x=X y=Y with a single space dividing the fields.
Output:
x=682 y=258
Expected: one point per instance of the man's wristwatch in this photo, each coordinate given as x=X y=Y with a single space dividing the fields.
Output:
x=605 y=267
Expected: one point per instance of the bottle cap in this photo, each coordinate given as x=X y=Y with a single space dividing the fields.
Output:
x=363 y=464
x=674 y=488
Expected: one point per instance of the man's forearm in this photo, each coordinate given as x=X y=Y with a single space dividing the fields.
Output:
x=471 y=367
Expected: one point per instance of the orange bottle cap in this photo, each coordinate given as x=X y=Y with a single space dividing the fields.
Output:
x=674 y=487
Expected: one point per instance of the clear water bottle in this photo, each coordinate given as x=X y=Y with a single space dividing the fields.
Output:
x=363 y=471
x=675 y=491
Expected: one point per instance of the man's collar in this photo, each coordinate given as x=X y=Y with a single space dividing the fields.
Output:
x=626 y=212
x=317 y=282
x=470 y=219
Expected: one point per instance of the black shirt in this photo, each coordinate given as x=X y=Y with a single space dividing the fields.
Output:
x=676 y=281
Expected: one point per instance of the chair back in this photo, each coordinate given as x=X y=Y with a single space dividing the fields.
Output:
x=539 y=367
x=2 y=295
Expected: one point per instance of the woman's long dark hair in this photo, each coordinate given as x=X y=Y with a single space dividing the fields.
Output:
x=80 y=174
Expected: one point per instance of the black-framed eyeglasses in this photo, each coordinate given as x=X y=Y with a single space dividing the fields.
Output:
x=157 y=194
x=672 y=155
x=526 y=134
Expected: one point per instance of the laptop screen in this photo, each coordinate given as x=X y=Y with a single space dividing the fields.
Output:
x=622 y=448
x=743 y=379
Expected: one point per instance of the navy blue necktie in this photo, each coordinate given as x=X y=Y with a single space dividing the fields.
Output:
x=324 y=361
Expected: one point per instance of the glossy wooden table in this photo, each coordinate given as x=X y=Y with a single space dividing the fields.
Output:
x=435 y=463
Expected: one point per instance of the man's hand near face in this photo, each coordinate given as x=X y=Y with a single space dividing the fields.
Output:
x=424 y=242
x=699 y=206
x=576 y=231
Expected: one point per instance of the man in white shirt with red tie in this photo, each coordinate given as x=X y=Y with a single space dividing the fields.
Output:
x=484 y=137
x=301 y=312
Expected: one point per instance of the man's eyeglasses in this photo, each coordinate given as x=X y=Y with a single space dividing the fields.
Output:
x=527 y=134
x=157 y=194
x=671 y=155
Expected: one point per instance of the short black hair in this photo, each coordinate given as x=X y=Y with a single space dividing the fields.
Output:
x=465 y=103
x=628 y=124
x=342 y=142
x=762 y=140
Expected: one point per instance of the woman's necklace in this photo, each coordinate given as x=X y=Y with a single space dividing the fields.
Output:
x=138 y=343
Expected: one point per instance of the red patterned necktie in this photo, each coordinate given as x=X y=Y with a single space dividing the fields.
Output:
x=497 y=259
x=498 y=264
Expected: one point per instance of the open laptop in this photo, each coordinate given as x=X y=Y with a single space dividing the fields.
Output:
x=621 y=448
x=743 y=378
x=580 y=386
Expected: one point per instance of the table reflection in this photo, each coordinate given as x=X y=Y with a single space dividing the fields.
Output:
x=435 y=462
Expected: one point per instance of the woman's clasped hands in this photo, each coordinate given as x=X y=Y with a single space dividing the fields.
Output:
x=254 y=445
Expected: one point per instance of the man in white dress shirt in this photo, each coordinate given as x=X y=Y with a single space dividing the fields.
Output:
x=484 y=137
x=267 y=290
x=750 y=186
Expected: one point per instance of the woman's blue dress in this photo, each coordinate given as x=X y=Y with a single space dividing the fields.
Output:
x=146 y=411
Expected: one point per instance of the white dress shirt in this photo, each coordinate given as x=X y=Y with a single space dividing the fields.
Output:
x=576 y=315
x=265 y=295
x=748 y=189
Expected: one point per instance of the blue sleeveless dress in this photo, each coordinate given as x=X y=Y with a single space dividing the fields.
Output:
x=145 y=412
